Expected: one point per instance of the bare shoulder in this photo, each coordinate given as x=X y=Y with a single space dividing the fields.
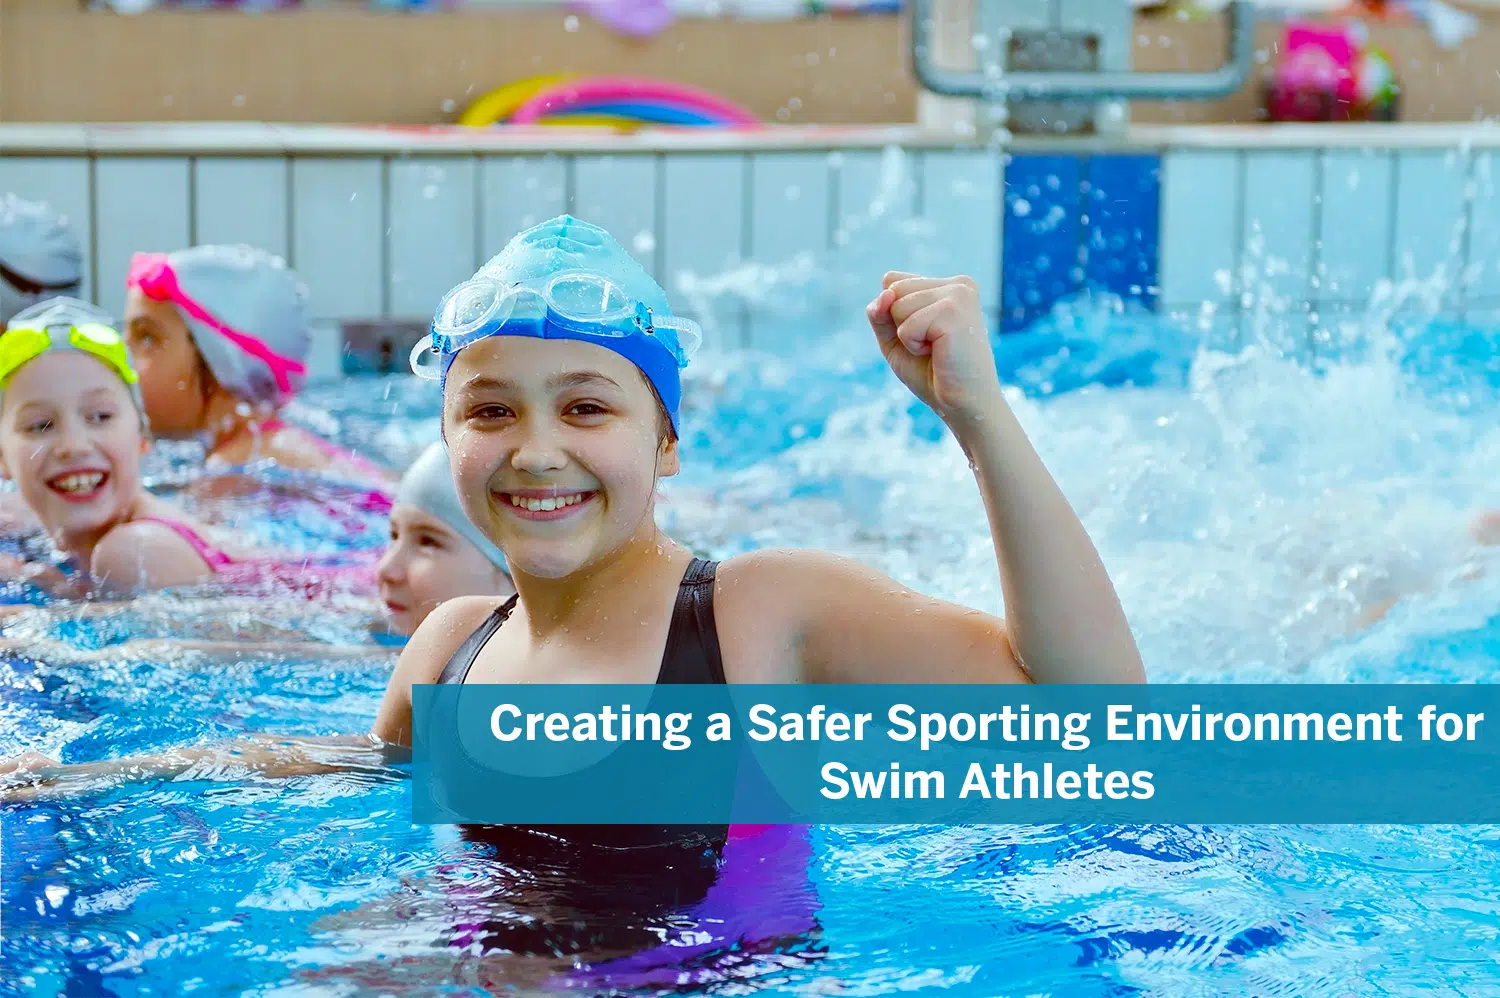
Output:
x=444 y=630
x=423 y=659
x=785 y=575
x=766 y=603
x=829 y=618
x=142 y=553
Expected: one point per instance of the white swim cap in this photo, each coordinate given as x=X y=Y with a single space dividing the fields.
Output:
x=428 y=485
x=248 y=292
x=39 y=255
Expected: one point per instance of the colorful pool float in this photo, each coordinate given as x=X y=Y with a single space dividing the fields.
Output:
x=611 y=101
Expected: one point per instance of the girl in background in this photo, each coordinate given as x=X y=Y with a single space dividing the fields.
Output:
x=220 y=336
x=39 y=257
x=435 y=554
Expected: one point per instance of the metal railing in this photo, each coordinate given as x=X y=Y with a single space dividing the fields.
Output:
x=1088 y=86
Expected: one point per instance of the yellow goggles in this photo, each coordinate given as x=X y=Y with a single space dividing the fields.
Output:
x=20 y=345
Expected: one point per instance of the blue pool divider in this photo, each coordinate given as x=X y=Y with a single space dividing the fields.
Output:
x=1074 y=222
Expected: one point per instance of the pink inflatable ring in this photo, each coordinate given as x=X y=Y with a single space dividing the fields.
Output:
x=575 y=95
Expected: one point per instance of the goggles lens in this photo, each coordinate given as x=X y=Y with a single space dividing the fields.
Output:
x=19 y=346
x=589 y=299
x=466 y=308
x=22 y=345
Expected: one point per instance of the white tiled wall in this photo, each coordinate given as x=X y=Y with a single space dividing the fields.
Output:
x=764 y=245
x=1308 y=235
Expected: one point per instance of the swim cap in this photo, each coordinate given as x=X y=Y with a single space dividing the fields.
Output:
x=39 y=254
x=567 y=279
x=252 y=320
x=95 y=335
x=428 y=485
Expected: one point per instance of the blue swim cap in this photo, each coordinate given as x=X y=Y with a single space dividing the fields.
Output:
x=566 y=279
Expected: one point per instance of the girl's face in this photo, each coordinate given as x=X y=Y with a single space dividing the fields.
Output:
x=427 y=564
x=555 y=449
x=71 y=439
x=171 y=372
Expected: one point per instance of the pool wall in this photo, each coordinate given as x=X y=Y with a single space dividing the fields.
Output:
x=1220 y=223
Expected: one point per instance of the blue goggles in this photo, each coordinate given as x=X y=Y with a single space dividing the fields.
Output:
x=574 y=305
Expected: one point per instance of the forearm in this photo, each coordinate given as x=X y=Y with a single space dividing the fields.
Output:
x=256 y=755
x=176 y=650
x=1062 y=613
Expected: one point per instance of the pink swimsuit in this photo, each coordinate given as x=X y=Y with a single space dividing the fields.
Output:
x=310 y=577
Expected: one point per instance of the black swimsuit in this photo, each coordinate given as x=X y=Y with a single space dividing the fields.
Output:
x=692 y=652
x=601 y=884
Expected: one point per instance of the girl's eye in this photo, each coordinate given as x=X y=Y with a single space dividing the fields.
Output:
x=102 y=417
x=428 y=541
x=587 y=409
x=39 y=426
x=489 y=412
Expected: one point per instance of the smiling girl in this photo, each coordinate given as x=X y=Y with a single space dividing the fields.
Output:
x=72 y=434
x=560 y=370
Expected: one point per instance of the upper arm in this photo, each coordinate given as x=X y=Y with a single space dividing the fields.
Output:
x=137 y=556
x=851 y=624
x=422 y=661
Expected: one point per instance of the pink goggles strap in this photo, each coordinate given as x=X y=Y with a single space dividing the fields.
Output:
x=153 y=274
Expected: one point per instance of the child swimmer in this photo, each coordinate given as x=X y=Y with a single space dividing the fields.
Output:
x=559 y=363
x=72 y=435
x=435 y=554
x=220 y=336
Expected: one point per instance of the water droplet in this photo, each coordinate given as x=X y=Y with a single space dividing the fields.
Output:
x=570 y=23
x=449 y=105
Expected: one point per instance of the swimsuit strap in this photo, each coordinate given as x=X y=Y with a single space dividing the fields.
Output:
x=216 y=559
x=692 y=651
x=462 y=660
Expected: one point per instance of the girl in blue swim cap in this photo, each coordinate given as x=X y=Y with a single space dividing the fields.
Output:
x=559 y=364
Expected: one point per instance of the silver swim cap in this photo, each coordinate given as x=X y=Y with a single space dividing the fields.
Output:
x=251 y=292
x=61 y=312
x=40 y=255
x=428 y=485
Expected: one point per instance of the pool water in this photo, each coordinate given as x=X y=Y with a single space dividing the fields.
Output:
x=1253 y=504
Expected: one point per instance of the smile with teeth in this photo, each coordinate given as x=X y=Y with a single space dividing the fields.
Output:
x=550 y=503
x=78 y=482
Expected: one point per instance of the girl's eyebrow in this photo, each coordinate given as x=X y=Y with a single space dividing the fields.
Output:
x=573 y=379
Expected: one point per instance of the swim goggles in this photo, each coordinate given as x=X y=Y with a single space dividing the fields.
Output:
x=19 y=345
x=577 y=304
x=153 y=274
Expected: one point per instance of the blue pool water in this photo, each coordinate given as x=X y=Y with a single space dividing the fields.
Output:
x=1252 y=504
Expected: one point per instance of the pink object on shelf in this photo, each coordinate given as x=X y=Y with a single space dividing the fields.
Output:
x=1318 y=66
